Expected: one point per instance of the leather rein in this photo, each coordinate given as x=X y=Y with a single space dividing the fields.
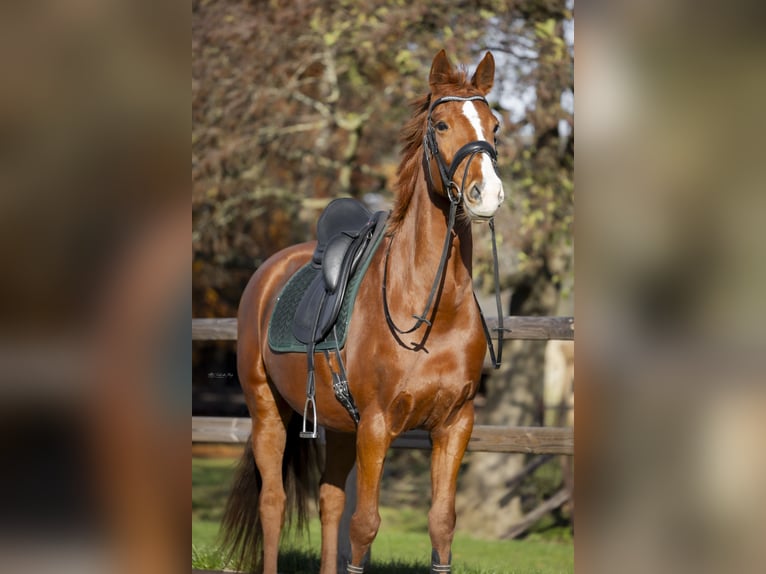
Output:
x=455 y=196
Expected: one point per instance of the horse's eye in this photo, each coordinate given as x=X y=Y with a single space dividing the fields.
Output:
x=497 y=127
x=442 y=127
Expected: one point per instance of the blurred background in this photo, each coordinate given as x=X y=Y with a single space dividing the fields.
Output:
x=95 y=299
x=670 y=231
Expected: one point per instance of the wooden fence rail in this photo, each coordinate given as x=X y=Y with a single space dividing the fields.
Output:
x=530 y=440
x=485 y=438
x=530 y=328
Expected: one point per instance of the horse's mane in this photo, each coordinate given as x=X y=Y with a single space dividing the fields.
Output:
x=454 y=83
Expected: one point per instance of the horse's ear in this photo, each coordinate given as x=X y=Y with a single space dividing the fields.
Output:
x=484 y=76
x=440 y=69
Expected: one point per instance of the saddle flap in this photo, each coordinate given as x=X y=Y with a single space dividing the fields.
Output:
x=306 y=313
x=320 y=305
x=335 y=255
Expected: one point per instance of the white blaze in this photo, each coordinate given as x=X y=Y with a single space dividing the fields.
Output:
x=491 y=187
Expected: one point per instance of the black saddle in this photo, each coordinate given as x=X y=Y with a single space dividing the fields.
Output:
x=344 y=233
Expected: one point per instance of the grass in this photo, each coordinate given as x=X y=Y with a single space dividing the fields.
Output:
x=401 y=547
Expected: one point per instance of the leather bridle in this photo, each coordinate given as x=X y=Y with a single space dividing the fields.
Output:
x=431 y=149
x=469 y=150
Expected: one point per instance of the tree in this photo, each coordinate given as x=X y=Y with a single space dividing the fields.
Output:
x=298 y=101
x=542 y=188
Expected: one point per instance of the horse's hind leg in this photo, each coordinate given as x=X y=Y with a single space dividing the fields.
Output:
x=269 y=438
x=339 y=459
x=449 y=444
x=268 y=441
x=252 y=520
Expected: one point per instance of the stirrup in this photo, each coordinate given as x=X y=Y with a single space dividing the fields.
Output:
x=351 y=569
x=306 y=433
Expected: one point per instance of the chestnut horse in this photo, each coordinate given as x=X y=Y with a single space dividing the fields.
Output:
x=401 y=375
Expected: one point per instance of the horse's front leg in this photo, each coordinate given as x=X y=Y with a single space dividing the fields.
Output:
x=341 y=452
x=449 y=444
x=372 y=442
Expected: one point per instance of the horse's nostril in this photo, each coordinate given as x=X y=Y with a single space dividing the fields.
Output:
x=474 y=193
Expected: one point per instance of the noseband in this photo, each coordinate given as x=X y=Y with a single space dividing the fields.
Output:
x=431 y=149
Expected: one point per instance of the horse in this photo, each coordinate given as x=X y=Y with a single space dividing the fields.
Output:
x=402 y=376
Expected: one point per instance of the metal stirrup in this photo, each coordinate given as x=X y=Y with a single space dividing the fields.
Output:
x=310 y=382
x=351 y=569
x=313 y=432
x=305 y=433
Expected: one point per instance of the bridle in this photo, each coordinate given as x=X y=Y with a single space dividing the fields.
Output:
x=431 y=149
x=455 y=195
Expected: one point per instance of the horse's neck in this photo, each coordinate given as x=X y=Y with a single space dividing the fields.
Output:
x=418 y=246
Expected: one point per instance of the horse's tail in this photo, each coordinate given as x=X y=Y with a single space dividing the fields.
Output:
x=241 y=535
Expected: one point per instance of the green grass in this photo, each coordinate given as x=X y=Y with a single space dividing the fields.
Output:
x=401 y=547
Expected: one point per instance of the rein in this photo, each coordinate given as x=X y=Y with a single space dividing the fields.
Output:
x=431 y=149
x=423 y=317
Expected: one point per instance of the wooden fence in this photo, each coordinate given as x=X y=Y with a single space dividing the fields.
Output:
x=529 y=328
x=485 y=438
x=529 y=440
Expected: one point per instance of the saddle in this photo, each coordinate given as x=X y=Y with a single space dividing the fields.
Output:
x=344 y=236
x=347 y=236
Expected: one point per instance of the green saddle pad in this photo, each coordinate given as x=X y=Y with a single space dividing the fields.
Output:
x=281 y=338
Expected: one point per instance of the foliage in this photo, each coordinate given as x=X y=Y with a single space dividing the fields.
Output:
x=295 y=102
x=211 y=482
x=540 y=176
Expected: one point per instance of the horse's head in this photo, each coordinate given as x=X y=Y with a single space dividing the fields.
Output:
x=459 y=138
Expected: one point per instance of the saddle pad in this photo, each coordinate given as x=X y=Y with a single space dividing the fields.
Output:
x=281 y=338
